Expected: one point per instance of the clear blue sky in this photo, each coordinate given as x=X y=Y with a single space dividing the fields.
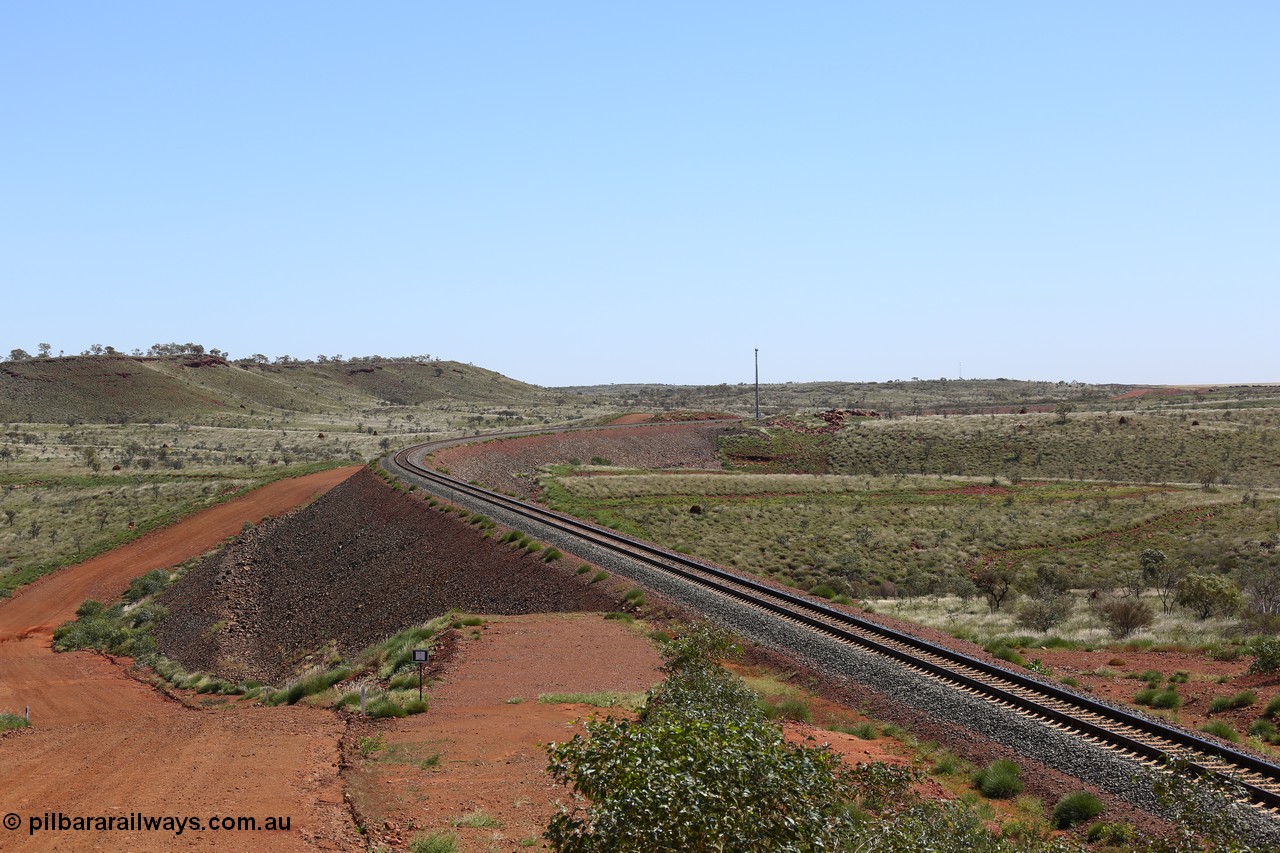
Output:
x=604 y=192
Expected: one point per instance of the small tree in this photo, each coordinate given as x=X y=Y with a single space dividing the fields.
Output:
x=1150 y=562
x=45 y=350
x=1259 y=578
x=1124 y=616
x=1042 y=614
x=1049 y=590
x=995 y=582
x=1162 y=574
x=1062 y=410
x=1205 y=595
x=19 y=355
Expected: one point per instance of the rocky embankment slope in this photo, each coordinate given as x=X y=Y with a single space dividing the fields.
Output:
x=359 y=564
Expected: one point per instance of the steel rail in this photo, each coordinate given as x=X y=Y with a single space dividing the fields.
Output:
x=938 y=661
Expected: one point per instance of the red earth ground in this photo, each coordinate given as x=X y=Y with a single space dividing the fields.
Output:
x=102 y=744
x=477 y=752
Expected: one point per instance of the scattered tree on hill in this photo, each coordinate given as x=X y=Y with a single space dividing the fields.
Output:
x=1167 y=578
x=1207 y=475
x=19 y=355
x=188 y=348
x=1062 y=410
x=1205 y=595
x=45 y=350
x=995 y=582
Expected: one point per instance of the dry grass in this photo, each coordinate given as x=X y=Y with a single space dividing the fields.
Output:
x=856 y=533
x=973 y=620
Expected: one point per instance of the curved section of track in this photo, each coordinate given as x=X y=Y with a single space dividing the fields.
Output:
x=1133 y=734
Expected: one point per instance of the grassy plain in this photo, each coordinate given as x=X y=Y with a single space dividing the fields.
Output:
x=96 y=450
x=868 y=535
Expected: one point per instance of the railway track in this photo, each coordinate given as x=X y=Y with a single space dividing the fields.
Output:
x=1145 y=739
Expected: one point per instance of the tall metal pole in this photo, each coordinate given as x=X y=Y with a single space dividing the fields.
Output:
x=757 y=383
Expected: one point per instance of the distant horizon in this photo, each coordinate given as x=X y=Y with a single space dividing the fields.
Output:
x=272 y=360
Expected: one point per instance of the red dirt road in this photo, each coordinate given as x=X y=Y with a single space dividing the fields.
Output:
x=102 y=745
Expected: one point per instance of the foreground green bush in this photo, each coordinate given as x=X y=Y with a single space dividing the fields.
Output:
x=999 y=780
x=1075 y=809
x=701 y=769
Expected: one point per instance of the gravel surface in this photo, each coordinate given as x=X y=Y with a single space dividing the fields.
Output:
x=1102 y=768
x=359 y=564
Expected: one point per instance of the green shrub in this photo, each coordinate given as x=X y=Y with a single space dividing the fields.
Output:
x=634 y=594
x=1124 y=616
x=1273 y=707
x=12 y=721
x=1042 y=614
x=415 y=706
x=1075 y=809
x=1243 y=699
x=787 y=709
x=149 y=584
x=1222 y=729
x=864 y=731
x=477 y=820
x=599 y=576
x=314 y=684
x=620 y=617
x=1166 y=699
x=1266 y=655
x=384 y=707
x=1002 y=650
x=999 y=780
x=403 y=681
x=823 y=590
x=552 y=555
x=369 y=744
x=89 y=608
x=1151 y=677
x=700 y=748
x=434 y=842
x=1262 y=728
x=582 y=570
x=1112 y=834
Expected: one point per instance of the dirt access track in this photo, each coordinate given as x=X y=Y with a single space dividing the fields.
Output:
x=105 y=746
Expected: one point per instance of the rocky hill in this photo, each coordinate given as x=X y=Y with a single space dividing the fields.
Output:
x=359 y=564
x=120 y=388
